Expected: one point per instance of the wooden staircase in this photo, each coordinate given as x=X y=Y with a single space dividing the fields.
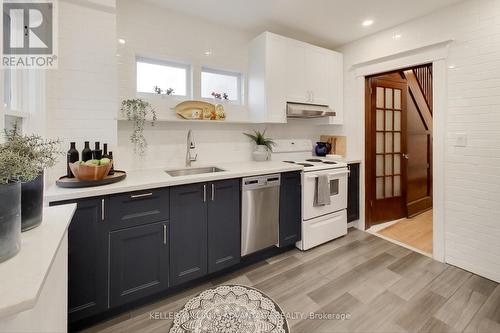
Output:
x=420 y=86
x=424 y=78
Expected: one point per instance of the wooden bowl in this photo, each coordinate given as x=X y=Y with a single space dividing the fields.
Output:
x=90 y=172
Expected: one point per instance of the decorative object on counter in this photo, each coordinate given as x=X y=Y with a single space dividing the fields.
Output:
x=322 y=148
x=264 y=146
x=86 y=152
x=219 y=96
x=72 y=156
x=97 y=152
x=230 y=308
x=339 y=144
x=22 y=160
x=105 y=151
x=160 y=91
x=66 y=182
x=92 y=169
x=137 y=111
x=112 y=170
x=200 y=110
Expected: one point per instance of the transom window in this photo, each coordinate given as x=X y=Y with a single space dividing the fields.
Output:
x=165 y=77
x=220 y=84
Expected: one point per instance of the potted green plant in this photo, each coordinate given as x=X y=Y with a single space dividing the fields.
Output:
x=264 y=146
x=137 y=111
x=38 y=154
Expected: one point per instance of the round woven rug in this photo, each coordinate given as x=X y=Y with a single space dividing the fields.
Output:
x=230 y=309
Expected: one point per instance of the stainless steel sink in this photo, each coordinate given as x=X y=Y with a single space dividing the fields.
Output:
x=192 y=171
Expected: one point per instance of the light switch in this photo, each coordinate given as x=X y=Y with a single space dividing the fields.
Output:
x=461 y=140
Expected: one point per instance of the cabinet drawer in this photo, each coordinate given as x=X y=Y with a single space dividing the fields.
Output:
x=137 y=208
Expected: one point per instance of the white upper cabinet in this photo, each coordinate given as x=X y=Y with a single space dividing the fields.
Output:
x=284 y=70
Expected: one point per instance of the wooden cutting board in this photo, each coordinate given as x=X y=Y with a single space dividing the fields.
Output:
x=339 y=144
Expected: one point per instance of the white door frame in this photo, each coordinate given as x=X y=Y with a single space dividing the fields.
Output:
x=436 y=54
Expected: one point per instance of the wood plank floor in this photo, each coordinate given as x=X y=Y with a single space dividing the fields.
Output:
x=415 y=231
x=382 y=287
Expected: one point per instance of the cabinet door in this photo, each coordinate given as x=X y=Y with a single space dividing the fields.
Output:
x=223 y=224
x=188 y=232
x=138 y=262
x=296 y=89
x=318 y=69
x=353 y=193
x=87 y=262
x=290 y=208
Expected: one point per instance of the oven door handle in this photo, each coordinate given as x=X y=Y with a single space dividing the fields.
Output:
x=339 y=173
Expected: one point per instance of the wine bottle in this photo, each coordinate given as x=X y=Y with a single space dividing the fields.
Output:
x=86 y=152
x=72 y=157
x=97 y=151
x=112 y=170
x=105 y=151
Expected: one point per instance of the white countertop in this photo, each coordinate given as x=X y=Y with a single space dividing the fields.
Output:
x=23 y=276
x=154 y=178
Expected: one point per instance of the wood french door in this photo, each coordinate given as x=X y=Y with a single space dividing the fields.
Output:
x=386 y=114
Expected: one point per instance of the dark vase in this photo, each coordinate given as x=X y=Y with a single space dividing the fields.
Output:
x=86 y=152
x=10 y=220
x=72 y=157
x=97 y=152
x=32 y=203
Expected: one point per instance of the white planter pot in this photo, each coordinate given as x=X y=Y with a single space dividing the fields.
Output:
x=261 y=153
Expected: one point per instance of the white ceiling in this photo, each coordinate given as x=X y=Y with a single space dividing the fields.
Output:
x=327 y=23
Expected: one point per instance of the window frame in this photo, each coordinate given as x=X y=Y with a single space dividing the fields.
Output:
x=239 y=80
x=166 y=63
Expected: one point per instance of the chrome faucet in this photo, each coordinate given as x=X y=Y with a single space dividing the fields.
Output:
x=191 y=154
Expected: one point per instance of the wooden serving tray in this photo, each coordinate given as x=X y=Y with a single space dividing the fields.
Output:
x=75 y=183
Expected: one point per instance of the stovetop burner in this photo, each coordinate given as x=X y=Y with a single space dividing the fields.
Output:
x=314 y=160
x=306 y=164
x=329 y=162
x=291 y=162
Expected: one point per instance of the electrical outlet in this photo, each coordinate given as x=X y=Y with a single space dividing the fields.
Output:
x=461 y=140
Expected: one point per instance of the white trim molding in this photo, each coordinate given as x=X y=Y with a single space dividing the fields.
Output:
x=436 y=54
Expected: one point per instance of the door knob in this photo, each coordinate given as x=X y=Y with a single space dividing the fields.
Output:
x=406 y=156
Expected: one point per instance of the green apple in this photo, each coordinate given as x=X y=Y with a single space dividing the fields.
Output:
x=92 y=162
x=104 y=161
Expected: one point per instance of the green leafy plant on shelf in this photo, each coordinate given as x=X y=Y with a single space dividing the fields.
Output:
x=138 y=111
x=259 y=138
x=24 y=157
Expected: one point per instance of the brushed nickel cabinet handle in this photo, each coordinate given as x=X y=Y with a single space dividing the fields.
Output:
x=165 y=234
x=213 y=192
x=204 y=193
x=102 y=210
x=135 y=196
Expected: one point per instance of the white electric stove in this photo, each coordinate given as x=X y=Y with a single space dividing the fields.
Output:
x=320 y=223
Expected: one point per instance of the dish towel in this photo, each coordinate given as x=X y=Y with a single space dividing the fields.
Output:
x=323 y=191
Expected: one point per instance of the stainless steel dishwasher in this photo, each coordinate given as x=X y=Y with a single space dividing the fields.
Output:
x=260 y=204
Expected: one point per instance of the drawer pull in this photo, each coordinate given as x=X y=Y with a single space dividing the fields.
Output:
x=102 y=210
x=165 y=234
x=204 y=193
x=213 y=192
x=136 y=196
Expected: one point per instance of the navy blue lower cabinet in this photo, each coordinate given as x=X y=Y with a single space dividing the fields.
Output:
x=290 y=209
x=87 y=260
x=138 y=262
x=188 y=232
x=353 y=192
x=223 y=224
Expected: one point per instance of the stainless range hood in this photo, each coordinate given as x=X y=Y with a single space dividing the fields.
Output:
x=305 y=111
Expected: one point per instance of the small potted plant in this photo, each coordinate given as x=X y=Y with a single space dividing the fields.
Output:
x=22 y=160
x=39 y=154
x=137 y=111
x=264 y=146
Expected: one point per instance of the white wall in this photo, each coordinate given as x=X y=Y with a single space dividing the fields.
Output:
x=156 y=32
x=82 y=92
x=472 y=181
